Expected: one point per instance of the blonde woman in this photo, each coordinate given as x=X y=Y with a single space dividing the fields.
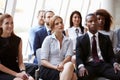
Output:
x=56 y=53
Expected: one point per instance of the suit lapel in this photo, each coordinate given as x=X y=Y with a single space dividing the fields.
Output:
x=102 y=44
x=100 y=41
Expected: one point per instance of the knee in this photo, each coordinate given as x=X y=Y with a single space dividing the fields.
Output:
x=73 y=59
x=69 y=65
x=31 y=78
x=17 y=79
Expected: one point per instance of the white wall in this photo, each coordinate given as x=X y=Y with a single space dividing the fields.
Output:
x=117 y=14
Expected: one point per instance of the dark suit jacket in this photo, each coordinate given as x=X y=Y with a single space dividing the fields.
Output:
x=39 y=37
x=83 y=49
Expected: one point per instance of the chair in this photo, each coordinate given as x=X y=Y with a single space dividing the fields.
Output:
x=101 y=78
x=37 y=72
x=38 y=53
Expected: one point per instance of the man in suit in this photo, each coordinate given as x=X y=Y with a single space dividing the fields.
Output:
x=43 y=32
x=32 y=32
x=91 y=60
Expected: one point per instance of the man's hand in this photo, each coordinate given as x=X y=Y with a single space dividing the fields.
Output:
x=83 y=71
x=116 y=67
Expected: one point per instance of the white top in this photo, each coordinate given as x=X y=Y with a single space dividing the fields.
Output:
x=51 y=51
x=72 y=34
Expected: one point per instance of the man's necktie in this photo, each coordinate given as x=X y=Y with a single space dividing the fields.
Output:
x=77 y=31
x=94 y=50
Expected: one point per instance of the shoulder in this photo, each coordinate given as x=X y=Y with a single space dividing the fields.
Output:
x=70 y=28
x=103 y=36
x=48 y=38
x=84 y=36
x=67 y=38
x=43 y=29
x=32 y=29
x=16 y=39
x=118 y=31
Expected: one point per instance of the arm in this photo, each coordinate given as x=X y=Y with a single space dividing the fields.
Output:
x=22 y=74
x=82 y=71
x=37 y=42
x=11 y=72
x=68 y=55
x=79 y=53
x=69 y=52
x=7 y=70
x=60 y=67
x=20 y=57
x=45 y=54
x=46 y=63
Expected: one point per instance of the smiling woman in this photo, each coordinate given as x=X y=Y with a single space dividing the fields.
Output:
x=11 y=59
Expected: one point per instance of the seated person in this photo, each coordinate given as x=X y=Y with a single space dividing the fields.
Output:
x=11 y=60
x=94 y=54
x=118 y=45
x=56 y=53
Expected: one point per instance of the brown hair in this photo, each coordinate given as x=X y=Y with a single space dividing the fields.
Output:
x=40 y=12
x=107 y=16
x=80 y=25
x=48 y=12
x=4 y=16
x=52 y=21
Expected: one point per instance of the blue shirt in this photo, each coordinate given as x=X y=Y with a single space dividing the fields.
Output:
x=31 y=37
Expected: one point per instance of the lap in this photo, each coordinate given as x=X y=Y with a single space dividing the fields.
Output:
x=102 y=70
x=6 y=77
x=30 y=68
x=30 y=78
x=49 y=74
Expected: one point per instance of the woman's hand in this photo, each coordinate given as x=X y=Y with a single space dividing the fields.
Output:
x=60 y=67
x=22 y=75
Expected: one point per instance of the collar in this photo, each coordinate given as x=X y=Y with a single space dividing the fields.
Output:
x=91 y=35
x=47 y=28
x=64 y=37
x=75 y=28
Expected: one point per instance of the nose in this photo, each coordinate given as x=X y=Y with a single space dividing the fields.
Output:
x=10 y=25
x=93 y=22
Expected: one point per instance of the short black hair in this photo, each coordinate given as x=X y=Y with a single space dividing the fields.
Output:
x=90 y=14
